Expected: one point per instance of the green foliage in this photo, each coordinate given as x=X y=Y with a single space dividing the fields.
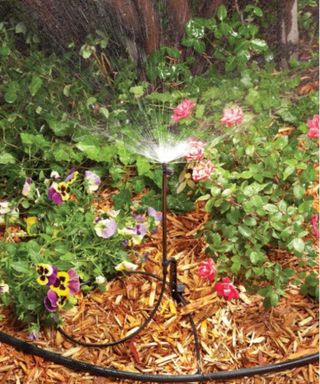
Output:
x=231 y=41
x=256 y=199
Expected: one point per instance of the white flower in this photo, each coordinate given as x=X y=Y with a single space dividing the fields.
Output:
x=93 y=181
x=5 y=207
x=4 y=288
x=100 y=280
x=27 y=186
x=54 y=175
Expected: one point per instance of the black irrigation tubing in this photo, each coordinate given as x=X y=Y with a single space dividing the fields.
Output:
x=138 y=330
x=77 y=365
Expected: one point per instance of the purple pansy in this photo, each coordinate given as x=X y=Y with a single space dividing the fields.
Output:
x=105 y=228
x=51 y=301
x=53 y=276
x=71 y=176
x=155 y=214
x=54 y=196
x=74 y=282
x=139 y=218
x=140 y=229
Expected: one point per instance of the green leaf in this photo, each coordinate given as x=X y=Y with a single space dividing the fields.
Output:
x=288 y=171
x=143 y=166
x=20 y=266
x=200 y=111
x=222 y=12
x=271 y=300
x=256 y=257
x=96 y=152
x=35 y=85
x=21 y=28
x=4 y=51
x=138 y=91
x=250 y=221
x=7 y=158
x=298 y=191
x=245 y=231
x=298 y=245
x=104 y=112
x=259 y=45
x=60 y=128
x=270 y=208
x=236 y=264
x=10 y=95
x=66 y=90
x=35 y=140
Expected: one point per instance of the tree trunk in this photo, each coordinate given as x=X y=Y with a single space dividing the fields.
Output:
x=289 y=30
x=209 y=7
x=178 y=13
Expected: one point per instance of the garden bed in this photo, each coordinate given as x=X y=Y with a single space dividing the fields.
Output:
x=235 y=334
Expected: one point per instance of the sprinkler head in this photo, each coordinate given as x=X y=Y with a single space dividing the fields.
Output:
x=168 y=171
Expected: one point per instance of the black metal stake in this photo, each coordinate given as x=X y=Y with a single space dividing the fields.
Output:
x=164 y=213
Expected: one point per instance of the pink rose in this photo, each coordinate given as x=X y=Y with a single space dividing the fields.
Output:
x=183 y=110
x=226 y=289
x=315 y=225
x=202 y=170
x=207 y=269
x=313 y=125
x=196 y=150
x=232 y=116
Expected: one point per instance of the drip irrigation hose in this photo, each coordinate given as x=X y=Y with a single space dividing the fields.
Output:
x=131 y=335
x=78 y=365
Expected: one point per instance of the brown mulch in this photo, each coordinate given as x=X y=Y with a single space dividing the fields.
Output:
x=233 y=334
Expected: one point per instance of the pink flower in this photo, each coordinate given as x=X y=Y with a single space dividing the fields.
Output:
x=313 y=125
x=202 y=170
x=315 y=225
x=226 y=289
x=232 y=116
x=196 y=150
x=207 y=269
x=182 y=110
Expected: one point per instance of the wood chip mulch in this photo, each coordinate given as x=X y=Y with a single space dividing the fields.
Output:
x=235 y=334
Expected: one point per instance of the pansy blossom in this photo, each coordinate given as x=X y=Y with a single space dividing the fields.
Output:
x=92 y=181
x=27 y=187
x=136 y=233
x=105 y=228
x=53 y=301
x=61 y=285
x=66 y=283
x=157 y=215
x=47 y=274
x=4 y=288
x=60 y=192
x=126 y=266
